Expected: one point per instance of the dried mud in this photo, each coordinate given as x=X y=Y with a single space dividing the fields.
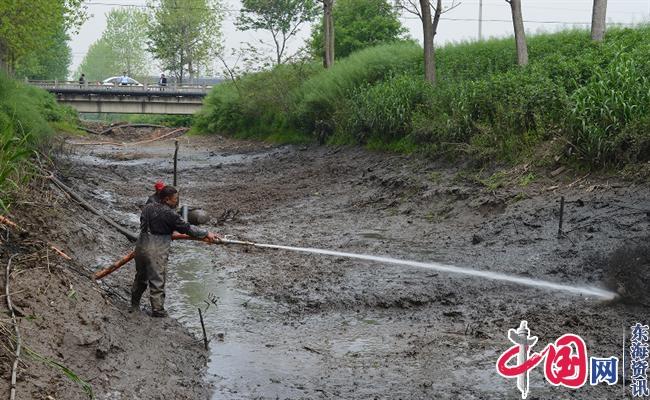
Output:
x=297 y=326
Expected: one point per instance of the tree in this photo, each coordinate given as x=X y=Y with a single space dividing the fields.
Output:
x=27 y=27
x=48 y=63
x=75 y=13
x=126 y=34
x=520 y=34
x=185 y=34
x=99 y=62
x=430 y=18
x=598 y=20
x=282 y=18
x=359 y=24
x=120 y=49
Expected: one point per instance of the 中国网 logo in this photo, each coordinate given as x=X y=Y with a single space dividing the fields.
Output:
x=566 y=362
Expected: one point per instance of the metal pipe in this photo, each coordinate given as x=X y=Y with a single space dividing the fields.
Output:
x=175 y=160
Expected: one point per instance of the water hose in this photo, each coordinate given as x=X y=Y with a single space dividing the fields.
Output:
x=590 y=291
x=176 y=236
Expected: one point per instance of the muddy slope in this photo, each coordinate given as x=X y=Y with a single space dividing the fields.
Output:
x=68 y=319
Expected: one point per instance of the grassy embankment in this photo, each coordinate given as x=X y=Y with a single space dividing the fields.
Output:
x=588 y=101
x=28 y=117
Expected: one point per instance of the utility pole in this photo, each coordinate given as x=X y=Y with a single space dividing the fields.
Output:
x=480 y=20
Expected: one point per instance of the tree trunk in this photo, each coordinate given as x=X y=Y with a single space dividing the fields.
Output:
x=328 y=37
x=3 y=59
x=436 y=21
x=181 y=69
x=427 y=28
x=12 y=65
x=598 y=23
x=520 y=34
x=4 y=65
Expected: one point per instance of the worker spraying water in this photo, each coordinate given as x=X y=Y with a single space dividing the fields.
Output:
x=588 y=291
x=157 y=223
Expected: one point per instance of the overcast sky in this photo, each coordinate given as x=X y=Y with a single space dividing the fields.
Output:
x=460 y=24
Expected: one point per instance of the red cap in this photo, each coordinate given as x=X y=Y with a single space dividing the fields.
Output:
x=159 y=185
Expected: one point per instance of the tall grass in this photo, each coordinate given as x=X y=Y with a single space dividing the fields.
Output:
x=319 y=98
x=610 y=116
x=27 y=117
x=593 y=95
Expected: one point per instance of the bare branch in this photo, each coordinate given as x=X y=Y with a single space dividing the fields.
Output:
x=451 y=7
x=417 y=12
x=231 y=70
x=444 y=10
x=411 y=7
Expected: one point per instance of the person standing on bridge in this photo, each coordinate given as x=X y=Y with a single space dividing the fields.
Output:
x=124 y=80
x=162 y=81
x=82 y=79
x=157 y=223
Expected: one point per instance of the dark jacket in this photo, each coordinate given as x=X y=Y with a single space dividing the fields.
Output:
x=157 y=223
x=154 y=198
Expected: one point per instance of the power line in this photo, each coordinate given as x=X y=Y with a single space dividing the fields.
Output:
x=401 y=17
x=116 y=4
x=153 y=7
x=526 y=20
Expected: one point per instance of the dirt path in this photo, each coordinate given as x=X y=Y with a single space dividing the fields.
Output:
x=291 y=325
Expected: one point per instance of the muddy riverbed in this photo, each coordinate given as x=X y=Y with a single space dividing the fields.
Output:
x=299 y=326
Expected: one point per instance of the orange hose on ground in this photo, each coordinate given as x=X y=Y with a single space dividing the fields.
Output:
x=182 y=236
x=118 y=264
x=8 y=222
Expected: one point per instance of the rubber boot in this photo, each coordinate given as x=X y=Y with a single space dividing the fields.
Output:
x=159 y=313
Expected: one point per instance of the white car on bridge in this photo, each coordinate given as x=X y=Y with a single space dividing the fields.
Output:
x=115 y=81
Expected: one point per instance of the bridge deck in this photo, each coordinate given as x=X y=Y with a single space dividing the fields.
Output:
x=145 y=99
x=144 y=90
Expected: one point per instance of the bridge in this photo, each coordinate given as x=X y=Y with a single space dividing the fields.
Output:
x=146 y=99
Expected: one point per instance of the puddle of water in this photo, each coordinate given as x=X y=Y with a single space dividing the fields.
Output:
x=197 y=279
x=185 y=162
x=260 y=357
x=244 y=364
x=162 y=156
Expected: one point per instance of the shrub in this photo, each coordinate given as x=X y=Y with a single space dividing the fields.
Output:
x=26 y=116
x=256 y=105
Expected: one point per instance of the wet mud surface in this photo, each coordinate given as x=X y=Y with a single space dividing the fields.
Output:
x=299 y=326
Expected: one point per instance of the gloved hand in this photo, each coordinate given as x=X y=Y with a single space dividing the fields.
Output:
x=213 y=237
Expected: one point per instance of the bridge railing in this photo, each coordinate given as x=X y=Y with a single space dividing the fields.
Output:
x=98 y=86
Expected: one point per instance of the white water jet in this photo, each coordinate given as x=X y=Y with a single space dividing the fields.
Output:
x=579 y=290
